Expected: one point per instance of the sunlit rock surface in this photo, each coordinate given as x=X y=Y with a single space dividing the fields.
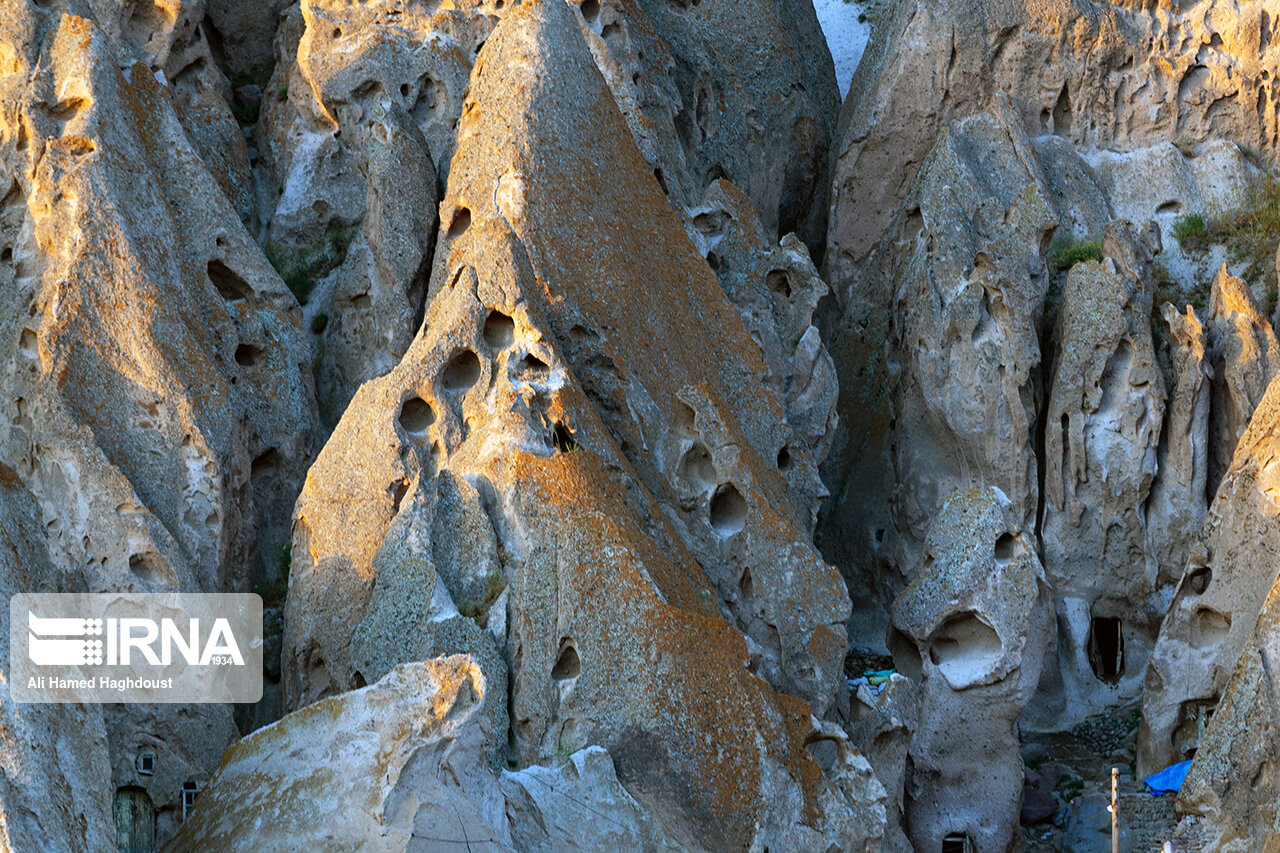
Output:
x=157 y=399
x=613 y=398
x=544 y=484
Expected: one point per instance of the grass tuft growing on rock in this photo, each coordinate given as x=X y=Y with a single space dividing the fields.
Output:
x=1066 y=251
x=1249 y=230
x=1191 y=231
x=301 y=270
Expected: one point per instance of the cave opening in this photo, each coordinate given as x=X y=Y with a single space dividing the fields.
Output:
x=957 y=842
x=1106 y=648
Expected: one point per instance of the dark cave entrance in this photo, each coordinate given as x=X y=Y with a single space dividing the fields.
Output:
x=1106 y=648
x=957 y=842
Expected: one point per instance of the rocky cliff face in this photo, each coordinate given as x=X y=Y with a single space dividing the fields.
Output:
x=617 y=408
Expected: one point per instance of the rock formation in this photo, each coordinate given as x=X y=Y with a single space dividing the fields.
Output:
x=157 y=401
x=1245 y=357
x=975 y=623
x=1102 y=431
x=391 y=767
x=1232 y=781
x=1217 y=601
x=1097 y=74
x=536 y=474
x=968 y=295
x=56 y=788
x=593 y=399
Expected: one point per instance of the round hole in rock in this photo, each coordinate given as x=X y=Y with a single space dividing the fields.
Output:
x=568 y=664
x=824 y=751
x=686 y=420
x=1209 y=628
x=416 y=415
x=227 y=282
x=148 y=568
x=248 y=355
x=964 y=649
x=499 y=330
x=462 y=371
x=460 y=223
x=784 y=458
x=728 y=511
x=696 y=468
x=779 y=282
x=1004 y=547
x=532 y=369
x=404 y=90
x=590 y=10
x=1198 y=580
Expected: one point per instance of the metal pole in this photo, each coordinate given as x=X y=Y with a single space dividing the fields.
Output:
x=1115 y=826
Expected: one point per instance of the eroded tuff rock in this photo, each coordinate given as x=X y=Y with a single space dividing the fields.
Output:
x=369 y=97
x=577 y=806
x=1162 y=182
x=157 y=400
x=55 y=789
x=968 y=295
x=881 y=724
x=974 y=627
x=547 y=481
x=776 y=289
x=1245 y=357
x=744 y=91
x=1232 y=782
x=395 y=766
x=1102 y=433
x=1218 y=598
x=1098 y=74
x=417 y=779
x=1178 y=503
x=363 y=108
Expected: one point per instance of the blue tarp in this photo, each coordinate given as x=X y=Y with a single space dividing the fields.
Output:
x=1168 y=780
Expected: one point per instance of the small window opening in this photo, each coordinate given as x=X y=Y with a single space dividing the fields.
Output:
x=1106 y=648
x=146 y=764
x=956 y=842
x=189 y=792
